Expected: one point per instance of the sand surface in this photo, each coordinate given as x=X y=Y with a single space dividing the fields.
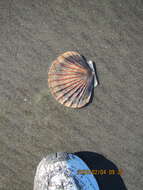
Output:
x=33 y=124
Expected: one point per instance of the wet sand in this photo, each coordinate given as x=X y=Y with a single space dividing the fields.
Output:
x=32 y=123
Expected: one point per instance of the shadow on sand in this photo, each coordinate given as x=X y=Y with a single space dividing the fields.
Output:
x=98 y=162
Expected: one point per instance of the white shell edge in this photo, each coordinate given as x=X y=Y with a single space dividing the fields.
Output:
x=90 y=63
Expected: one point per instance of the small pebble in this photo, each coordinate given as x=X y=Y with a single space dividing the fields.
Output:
x=25 y=99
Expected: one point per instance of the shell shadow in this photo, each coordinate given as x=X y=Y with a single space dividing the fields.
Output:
x=98 y=162
x=96 y=73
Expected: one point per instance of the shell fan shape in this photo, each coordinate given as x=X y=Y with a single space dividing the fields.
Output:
x=71 y=80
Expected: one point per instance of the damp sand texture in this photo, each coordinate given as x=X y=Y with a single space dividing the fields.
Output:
x=32 y=123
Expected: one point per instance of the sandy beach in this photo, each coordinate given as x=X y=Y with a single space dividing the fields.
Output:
x=108 y=132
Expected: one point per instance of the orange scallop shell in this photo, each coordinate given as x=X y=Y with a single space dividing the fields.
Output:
x=71 y=80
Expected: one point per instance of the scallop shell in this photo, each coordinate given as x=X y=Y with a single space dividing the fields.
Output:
x=71 y=80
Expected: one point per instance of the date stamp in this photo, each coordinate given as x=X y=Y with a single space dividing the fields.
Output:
x=102 y=172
